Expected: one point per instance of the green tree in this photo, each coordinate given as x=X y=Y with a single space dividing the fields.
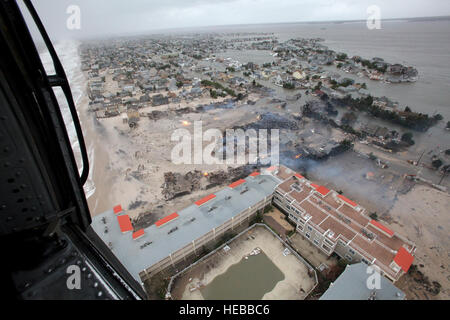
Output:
x=288 y=85
x=341 y=57
x=436 y=163
x=318 y=86
x=407 y=137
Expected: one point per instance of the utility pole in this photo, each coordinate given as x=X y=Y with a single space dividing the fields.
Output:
x=418 y=161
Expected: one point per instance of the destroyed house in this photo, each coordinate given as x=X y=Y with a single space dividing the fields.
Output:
x=159 y=99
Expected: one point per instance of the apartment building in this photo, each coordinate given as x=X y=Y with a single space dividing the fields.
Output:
x=175 y=237
x=334 y=223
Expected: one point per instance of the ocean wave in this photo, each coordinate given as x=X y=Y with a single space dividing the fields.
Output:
x=68 y=54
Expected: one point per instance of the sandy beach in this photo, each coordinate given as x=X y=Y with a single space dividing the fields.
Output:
x=418 y=214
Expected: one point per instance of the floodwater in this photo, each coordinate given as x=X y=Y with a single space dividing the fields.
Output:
x=249 y=279
x=421 y=44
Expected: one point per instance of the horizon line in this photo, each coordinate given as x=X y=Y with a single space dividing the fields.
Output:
x=162 y=31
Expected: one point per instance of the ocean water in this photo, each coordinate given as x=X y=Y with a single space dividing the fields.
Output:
x=68 y=54
x=421 y=44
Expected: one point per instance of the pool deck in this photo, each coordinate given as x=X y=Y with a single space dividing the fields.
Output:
x=295 y=286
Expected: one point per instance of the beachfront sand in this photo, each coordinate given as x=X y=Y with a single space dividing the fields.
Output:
x=130 y=164
x=420 y=215
x=294 y=286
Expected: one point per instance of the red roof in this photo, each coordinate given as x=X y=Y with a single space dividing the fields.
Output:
x=315 y=186
x=382 y=227
x=166 y=219
x=117 y=209
x=237 y=183
x=350 y=202
x=272 y=168
x=254 y=174
x=298 y=175
x=138 y=234
x=124 y=223
x=319 y=92
x=322 y=190
x=205 y=199
x=404 y=259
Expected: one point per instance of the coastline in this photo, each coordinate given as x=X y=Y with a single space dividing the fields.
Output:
x=100 y=200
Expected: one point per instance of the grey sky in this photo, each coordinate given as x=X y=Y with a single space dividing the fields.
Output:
x=111 y=17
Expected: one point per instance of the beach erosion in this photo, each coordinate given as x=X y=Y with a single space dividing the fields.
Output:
x=98 y=198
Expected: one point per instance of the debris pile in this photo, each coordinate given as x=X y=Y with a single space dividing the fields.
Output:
x=176 y=184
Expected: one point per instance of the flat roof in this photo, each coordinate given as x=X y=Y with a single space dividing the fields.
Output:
x=124 y=223
x=350 y=202
x=352 y=285
x=117 y=209
x=237 y=183
x=382 y=227
x=205 y=199
x=138 y=233
x=323 y=190
x=404 y=259
x=298 y=175
x=166 y=219
x=192 y=223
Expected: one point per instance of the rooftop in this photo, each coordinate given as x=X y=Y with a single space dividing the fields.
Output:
x=352 y=285
x=329 y=211
x=404 y=259
x=175 y=231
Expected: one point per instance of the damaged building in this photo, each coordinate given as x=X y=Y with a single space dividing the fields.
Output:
x=332 y=222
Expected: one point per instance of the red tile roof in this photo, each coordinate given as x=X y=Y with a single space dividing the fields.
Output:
x=118 y=209
x=404 y=259
x=382 y=227
x=166 y=219
x=315 y=186
x=124 y=223
x=237 y=183
x=254 y=174
x=205 y=199
x=298 y=175
x=350 y=202
x=322 y=190
x=138 y=234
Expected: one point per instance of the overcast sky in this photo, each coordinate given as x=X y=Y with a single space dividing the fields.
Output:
x=111 y=17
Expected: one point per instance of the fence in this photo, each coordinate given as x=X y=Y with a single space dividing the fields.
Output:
x=310 y=268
